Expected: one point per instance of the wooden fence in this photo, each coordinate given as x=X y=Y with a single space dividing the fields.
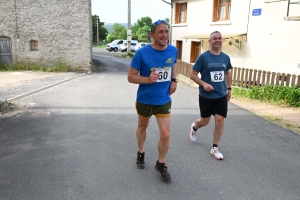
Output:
x=248 y=78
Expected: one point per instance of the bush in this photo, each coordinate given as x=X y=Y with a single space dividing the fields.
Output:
x=130 y=54
x=276 y=94
x=293 y=96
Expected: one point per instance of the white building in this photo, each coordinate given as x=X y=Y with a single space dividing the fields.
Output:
x=258 y=34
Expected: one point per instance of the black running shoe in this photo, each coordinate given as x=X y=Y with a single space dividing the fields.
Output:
x=140 y=163
x=162 y=169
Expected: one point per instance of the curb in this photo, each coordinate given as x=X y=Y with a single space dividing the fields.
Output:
x=35 y=91
x=3 y=104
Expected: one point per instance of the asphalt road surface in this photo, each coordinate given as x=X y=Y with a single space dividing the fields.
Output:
x=77 y=140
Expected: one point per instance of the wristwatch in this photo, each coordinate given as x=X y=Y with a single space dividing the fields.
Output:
x=229 y=88
x=174 y=79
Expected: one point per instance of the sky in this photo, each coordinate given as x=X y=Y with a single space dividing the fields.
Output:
x=112 y=11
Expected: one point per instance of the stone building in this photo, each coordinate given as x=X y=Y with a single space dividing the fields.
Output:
x=46 y=31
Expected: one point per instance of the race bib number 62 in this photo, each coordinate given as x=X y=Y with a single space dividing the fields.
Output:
x=217 y=76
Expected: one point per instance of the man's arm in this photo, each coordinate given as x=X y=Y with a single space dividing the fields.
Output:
x=134 y=77
x=228 y=78
x=194 y=76
x=173 y=84
x=228 y=83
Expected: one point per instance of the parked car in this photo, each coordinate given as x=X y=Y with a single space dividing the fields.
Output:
x=115 y=45
x=123 y=47
x=140 y=45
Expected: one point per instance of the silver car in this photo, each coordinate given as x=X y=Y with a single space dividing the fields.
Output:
x=140 y=45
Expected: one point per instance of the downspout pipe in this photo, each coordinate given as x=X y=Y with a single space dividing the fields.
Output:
x=246 y=43
x=170 y=35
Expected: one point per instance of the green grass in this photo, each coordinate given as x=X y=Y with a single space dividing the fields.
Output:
x=279 y=95
x=276 y=95
x=282 y=122
x=99 y=46
x=126 y=55
x=58 y=66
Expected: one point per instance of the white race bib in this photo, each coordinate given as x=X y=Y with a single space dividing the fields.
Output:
x=163 y=74
x=217 y=76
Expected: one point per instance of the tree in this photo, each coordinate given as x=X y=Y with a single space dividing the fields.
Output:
x=144 y=21
x=141 y=29
x=123 y=34
x=111 y=37
x=118 y=29
x=101 y=29
x=142 y=33
x=103 y=33
x=141 y=23
x=118 y=32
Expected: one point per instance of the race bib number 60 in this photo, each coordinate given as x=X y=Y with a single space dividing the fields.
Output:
x=217 y=76
x=163 y=74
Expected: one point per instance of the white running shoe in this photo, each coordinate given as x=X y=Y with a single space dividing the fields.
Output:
x=193 y=134
x=215 y=152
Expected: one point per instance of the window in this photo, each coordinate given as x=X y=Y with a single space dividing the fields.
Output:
x=180 y=13
x=222 y=10
x=34 y=45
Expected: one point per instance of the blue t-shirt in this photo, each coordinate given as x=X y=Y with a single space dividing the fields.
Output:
x=145 y=60
x=212 y=69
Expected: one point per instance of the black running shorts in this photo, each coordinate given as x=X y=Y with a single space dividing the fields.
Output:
x=210 y=107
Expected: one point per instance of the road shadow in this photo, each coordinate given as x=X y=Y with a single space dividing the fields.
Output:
x=109 y=63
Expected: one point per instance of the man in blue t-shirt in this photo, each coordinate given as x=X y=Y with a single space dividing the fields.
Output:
x=214 y=89
x=152 y=68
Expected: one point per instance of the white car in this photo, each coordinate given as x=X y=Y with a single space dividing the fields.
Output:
x=140 y=45
x=115 y=45
x=123 y=47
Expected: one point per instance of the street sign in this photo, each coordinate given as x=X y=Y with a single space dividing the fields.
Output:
x=256 y=12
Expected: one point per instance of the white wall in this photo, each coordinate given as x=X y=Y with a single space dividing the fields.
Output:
x=271 y=43
x=199 y=20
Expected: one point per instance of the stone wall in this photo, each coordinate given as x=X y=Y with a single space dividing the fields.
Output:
x=62 y=29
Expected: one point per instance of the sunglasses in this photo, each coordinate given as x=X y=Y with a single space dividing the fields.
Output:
x=157 y=23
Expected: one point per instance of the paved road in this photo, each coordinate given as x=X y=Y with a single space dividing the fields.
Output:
x=77 y=141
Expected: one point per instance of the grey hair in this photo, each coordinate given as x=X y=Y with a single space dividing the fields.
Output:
x=210 y=36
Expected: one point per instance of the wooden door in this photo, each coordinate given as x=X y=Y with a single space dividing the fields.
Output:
x=179 y=47
x=5 y=51
x=195 y=51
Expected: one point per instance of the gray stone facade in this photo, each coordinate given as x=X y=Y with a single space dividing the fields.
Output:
x=62 y=29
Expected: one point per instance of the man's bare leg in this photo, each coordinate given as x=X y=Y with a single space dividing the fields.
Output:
x=164 y=140
x=219 y=128
x=201 y=122
x=141 y=132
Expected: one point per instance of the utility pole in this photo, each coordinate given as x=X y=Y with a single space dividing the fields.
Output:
x=97 y=18
x=129 y=28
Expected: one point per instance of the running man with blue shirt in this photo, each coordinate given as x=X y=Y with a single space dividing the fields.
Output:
x=152 y=67
x=214 y=90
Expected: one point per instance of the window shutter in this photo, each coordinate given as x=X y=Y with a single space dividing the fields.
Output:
x=185 y=14
x=215 y=11
x=177 y=14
